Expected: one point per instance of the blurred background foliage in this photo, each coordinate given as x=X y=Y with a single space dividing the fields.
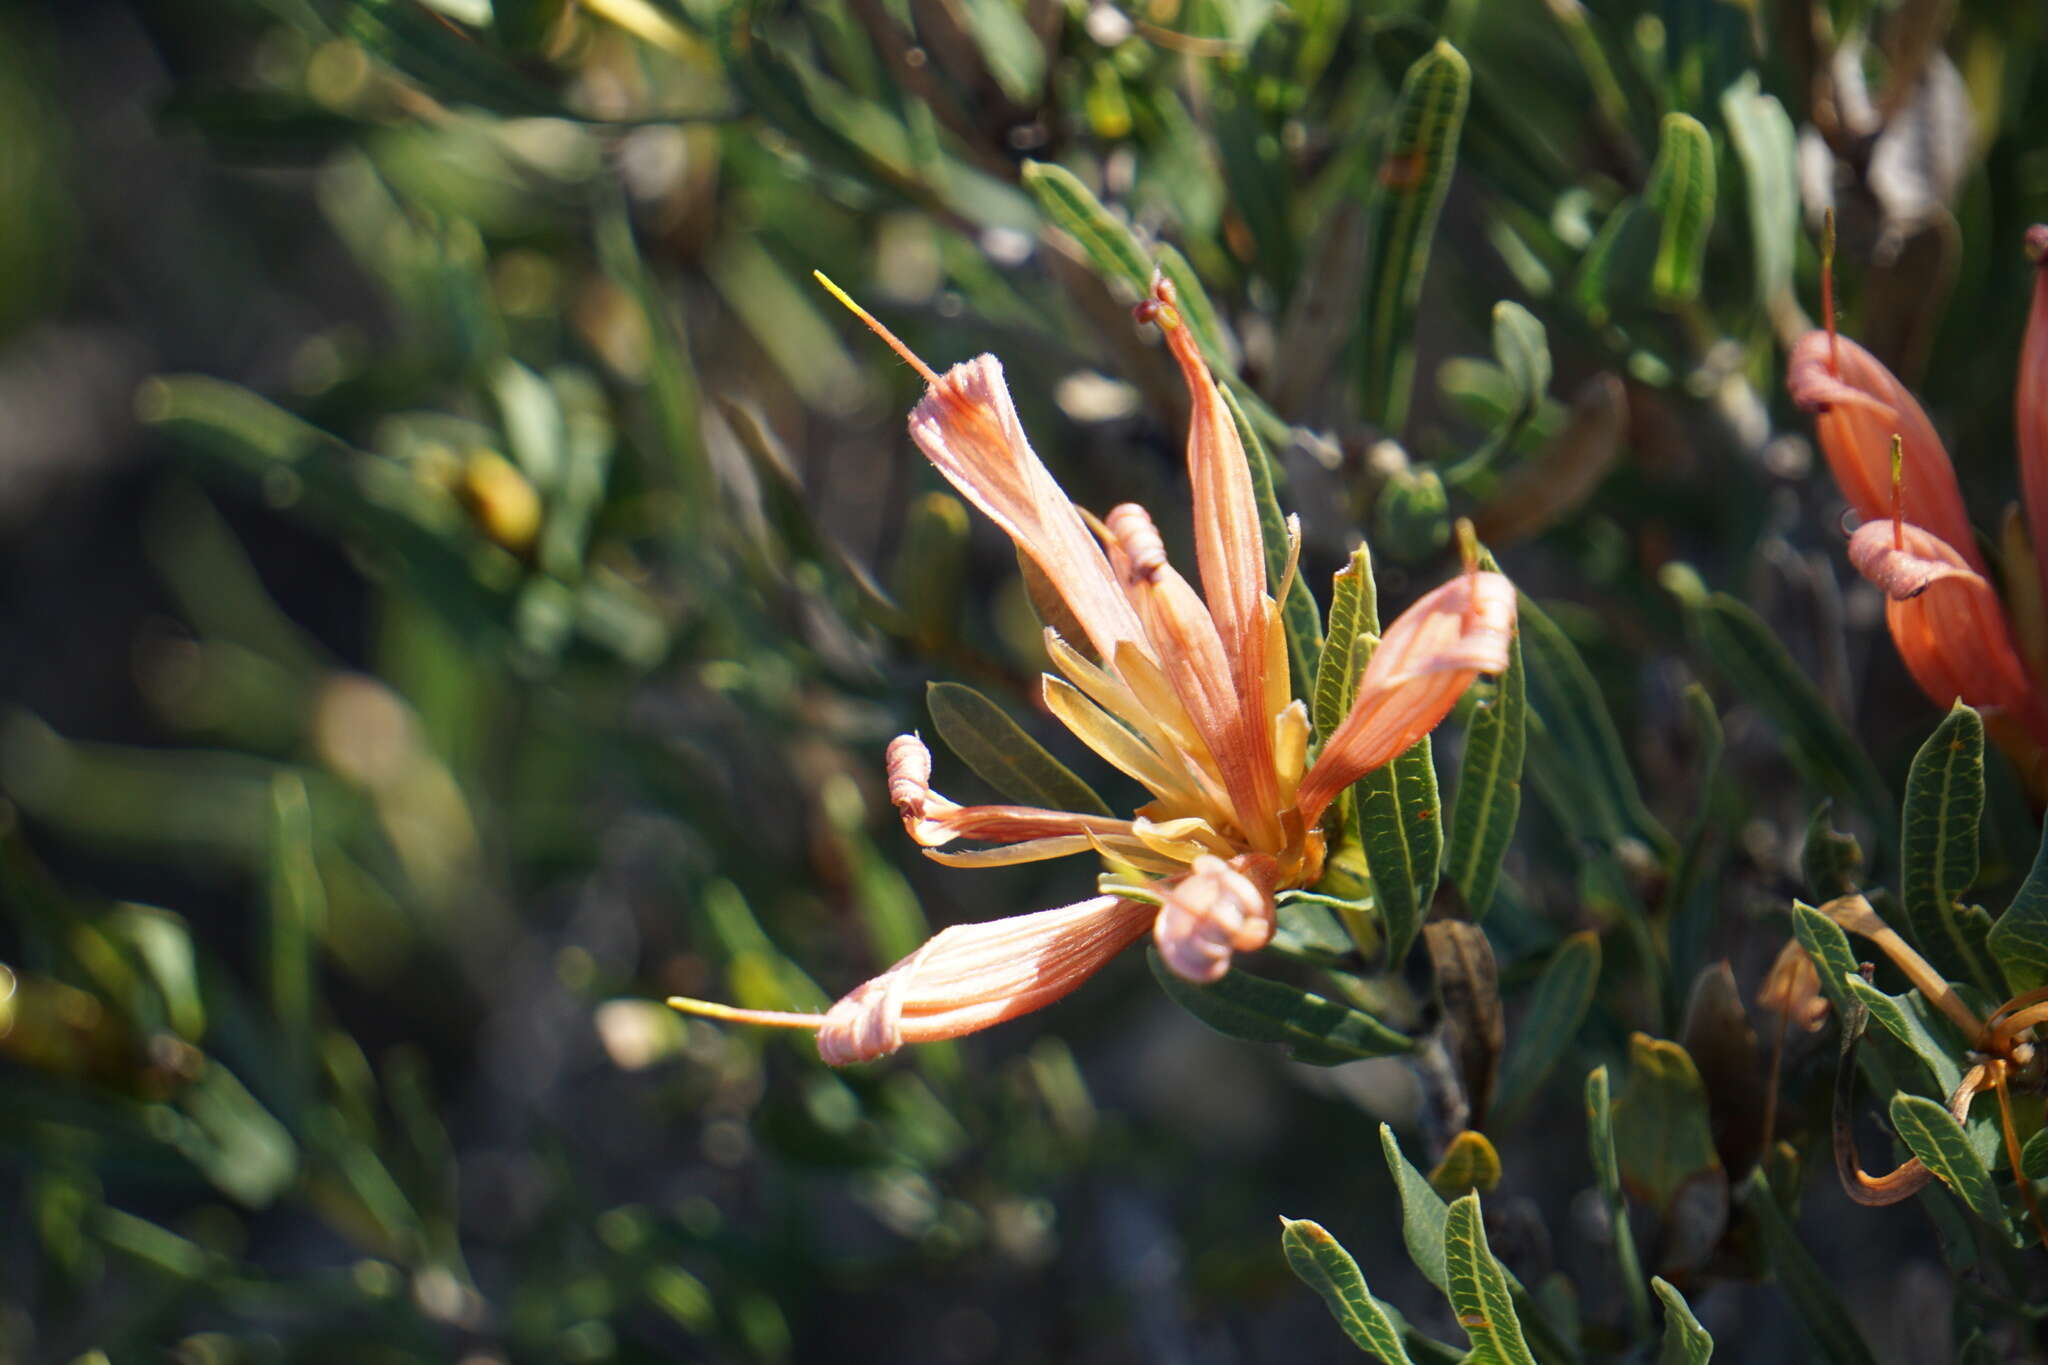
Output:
x=460 y=576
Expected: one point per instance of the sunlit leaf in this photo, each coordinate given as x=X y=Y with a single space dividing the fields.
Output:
x=1478 y=1289
x=1326 y=1267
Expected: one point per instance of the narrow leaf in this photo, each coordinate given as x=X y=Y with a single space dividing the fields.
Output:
x=1749 y=655
x=1685 y=1341
x=1557 y=1007
x=1489 y=796
x=1354 y=611
x=1478 y=1290
x=1304 y=629
x=1938 y=851
x=1071 y=207
x=1414 y=175
x=1400 y=827
x=1003 y=755
x=1254 y=1009
x=1607 y=1173
x=1931 y=1133
x=1422 y=1213
x=1681 y=190
x=1326 y=1267
x=1819 y=1307
x=1590 y=765
x=1767 y=147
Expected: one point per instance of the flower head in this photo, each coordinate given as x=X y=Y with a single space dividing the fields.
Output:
x=1186 y=692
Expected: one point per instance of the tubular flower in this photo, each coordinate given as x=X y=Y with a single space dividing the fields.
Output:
x=1958 y=638
x=1186 y=692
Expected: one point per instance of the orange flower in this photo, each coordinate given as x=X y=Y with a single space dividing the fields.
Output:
x=1956 y=635
x=1188 y=693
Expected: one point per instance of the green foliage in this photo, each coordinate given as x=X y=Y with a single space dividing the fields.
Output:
x=1254 y=1009
x=1326 y=1267
x=562 y=568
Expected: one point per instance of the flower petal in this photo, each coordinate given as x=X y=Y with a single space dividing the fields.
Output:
x=973 y=975
x=1857 y=409
x=968 y=427
x=1948 y=624
x=1423 y=664
x=933 y=821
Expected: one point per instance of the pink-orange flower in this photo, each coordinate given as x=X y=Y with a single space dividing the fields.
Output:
x=1188 y=693
x=1949 y=623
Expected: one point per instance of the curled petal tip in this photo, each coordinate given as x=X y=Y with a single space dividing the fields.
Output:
x=1904 y=570
x=2037 y=244
x=910 y=776
x=1811 y=379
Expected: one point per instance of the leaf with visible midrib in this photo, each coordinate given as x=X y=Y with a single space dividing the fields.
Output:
x=1489 y=796
x=1938 y=844
x=1681 y=189
x=1326 y=1267
x=1478 y=1290
x=1002 y=755
x=1931 y=1133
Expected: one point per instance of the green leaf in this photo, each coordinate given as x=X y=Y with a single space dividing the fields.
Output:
x=1326 y=1267
x=1748 y=654
x=1354 y=611
x=1685 y=1341
x=1589 y=765
x=1469 y=1164
x=1012 y=52
x=1422 y=1212
x=1199 y=313
x=1254 y=1009
x=1523 y=349
x=1489 y=795
x=1663 y=1134
x=1931 y=1133
x=1607 y=1174
x=1478 y=1290
x=1557 y=1007
x=1767 y=146
x=1681 y=190
x=1069 y=206
x=1906 y=1018
x=2034 y=1157
x=1938 y=854
x=1415 y=172
x=1400 y=827
x=1805 y=1284
x=1003 y=755
x=2019 y=941
x=1303 y=628
x=1827 y=943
